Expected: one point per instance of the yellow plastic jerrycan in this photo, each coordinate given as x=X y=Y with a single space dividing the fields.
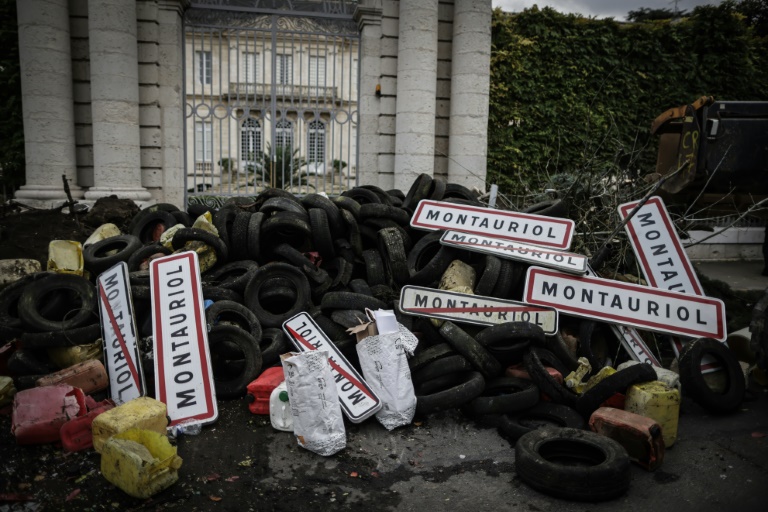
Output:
x=65 y=257
x=142 y=413
x=659 y=402
x=140 y=462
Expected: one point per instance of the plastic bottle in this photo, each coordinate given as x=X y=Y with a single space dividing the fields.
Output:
x=280 y=409
x=185 y=427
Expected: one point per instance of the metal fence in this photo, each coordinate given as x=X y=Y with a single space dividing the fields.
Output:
x=271 y=98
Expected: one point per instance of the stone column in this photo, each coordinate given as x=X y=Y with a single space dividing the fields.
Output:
x=416 y=89
x=115 y=100
x=470 y=81
x=171 y=98
x=369 y=22
x=47 y=108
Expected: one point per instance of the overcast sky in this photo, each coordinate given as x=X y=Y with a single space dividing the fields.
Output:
x=617 y=9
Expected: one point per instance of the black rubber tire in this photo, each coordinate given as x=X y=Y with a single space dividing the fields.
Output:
x=264 y=278
x=353 y=232
x=239 y=236
x=550 y=208
x=504 y=395
x=217 y=293
x=234 y=275
x=344 y=203
x=384 y=293
x=288 y=227
x=254 y=235
x=348 y=317
x=437 y=189
x=427 y=356
x=511 y=333
x=428 y=259
x=489 y=277
x=340 y=272
x=144 y=229
x=471 y=386
x=31 y=302
x=573 y=464
x=696 y=387
x=590 y=401
x=165 y=207
x=334 y=331
x=282 y=204
x=587 y=330
x=541 y=415
x=362 y=195
x=9 y=299
x=141 y=254
x=228 y=385
x=139 y=278
x=293 y=256
x=384 y=211
x=349 y=300
x=383 y=196
x=392 y=250
x=184 y=235
x=541 y=377
x=69 y=338
x=557 y=346
x=141 y=292
x=374 y=267
x=466 y=345
x=457 y=191
x=321 y=233
x=331 y=211
x=503 y=287
x=223 y=220
x=273 y=343
x=182 y=218
x=29 y=362
x=97 y=261
x=228 y=312
x=397 y=193
x=419 y=190
x=360 y=286
x=440 y=383
x=443 y=366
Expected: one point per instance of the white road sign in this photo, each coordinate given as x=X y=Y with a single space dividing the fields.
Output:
x=118 y=328
x=662 y=258
x=566 y=261
x=655 y=241
x=630 y=339
x=624 y=303
x=540 y=230
x=473 y=309
x=183 y=375
x=358 y=401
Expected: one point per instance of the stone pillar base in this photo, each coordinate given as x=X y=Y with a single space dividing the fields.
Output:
x=135 y=193
x=47 y=193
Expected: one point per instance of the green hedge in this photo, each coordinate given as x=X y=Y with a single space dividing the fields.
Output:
x=572 y=95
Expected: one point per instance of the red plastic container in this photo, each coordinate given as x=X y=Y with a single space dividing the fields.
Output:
x=640 y=436
x=39 y=413
x=90 y=376
x=520 y=372
x=76 y=434
x=260 y=389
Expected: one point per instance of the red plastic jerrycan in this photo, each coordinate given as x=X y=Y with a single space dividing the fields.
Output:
x=260 y=389
x=90 y=376
x=39 y=413
x=640 y=436
x=76 y=434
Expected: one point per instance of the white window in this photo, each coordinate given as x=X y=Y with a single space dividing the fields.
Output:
x=250 y=66
x=284 y=134
x=316 y=142
x=204 y=71
x=284 y=71
x=203 y=141
x=250 y=142
x=317 y=71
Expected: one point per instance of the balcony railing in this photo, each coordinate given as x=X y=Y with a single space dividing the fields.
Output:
x=286 y=91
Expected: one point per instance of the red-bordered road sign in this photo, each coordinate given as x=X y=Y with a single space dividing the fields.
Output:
x=473 y=309
x=183 y=375
x=625 y=303
x=118 y=328
x=528 y=228
x=357 y=399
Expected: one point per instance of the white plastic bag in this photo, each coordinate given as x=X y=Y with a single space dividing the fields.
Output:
x=317 y=421
x=385 y=368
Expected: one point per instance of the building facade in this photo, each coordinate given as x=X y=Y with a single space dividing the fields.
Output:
x=160 y=100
